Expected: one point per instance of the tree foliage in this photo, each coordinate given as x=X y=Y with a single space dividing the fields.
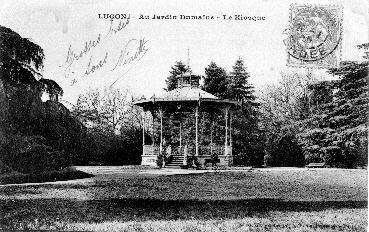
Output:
x=341 y=119
x=248 y=139
x=239 y=88
x=35 y=135
x=328 y=118
x=216 y=80
x=110 y=108
x=178 y=68
x=21 y=59
x=283 y=106
x=114 y=125
x=52 y=88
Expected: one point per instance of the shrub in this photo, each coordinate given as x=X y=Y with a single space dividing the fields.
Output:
x=332 y=155
x=288 y=152
x=268 y=159
x=355 y=153
x=4 y=168
x=241 y=158
x=312 y=157
x=312 y=154
x=251 y=154
x=29 y=154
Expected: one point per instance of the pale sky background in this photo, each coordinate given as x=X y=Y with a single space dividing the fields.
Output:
x=56 y=25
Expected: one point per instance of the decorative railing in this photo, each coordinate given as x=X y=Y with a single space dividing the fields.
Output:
x=208 y=150
x=203 y=150
x=151 y=150
x=215 y=149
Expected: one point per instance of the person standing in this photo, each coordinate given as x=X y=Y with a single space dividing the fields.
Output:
x=163 y=151
x=168 y=153
x=214 y=160
x=185 y=154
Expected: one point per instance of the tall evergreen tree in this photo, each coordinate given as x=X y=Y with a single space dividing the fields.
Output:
x=216 y=80
x=239 y=88
x=178 y=68
x=350 y=115
x=337 y=131
x=248 y=138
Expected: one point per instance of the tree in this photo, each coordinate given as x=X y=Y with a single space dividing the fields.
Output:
x=281 y=102
x=216 y=80
x=20 y=74
x=349 y=117
x=21 y=60
x=283 y=106
x=113 y=125
x=337 y=131
x=31 y=130
x=178 y=68
x=239 y=88
x=248 y=138
x=108 y=109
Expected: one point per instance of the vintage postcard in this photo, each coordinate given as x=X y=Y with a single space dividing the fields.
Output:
x=184 y=115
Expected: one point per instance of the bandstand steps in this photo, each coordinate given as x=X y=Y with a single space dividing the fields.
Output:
x=174 y=164
x=174 y=167
x=177 y=162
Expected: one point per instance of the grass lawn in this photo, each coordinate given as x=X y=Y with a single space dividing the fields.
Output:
x=260 y=200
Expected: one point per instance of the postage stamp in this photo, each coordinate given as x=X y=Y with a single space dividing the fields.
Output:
x=314 y=36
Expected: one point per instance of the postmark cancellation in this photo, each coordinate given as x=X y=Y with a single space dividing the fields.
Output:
x=314 y=36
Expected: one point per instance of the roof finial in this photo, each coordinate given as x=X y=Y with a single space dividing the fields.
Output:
x=188 y=66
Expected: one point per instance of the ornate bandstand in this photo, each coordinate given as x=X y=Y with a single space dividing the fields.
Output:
x=173 y=118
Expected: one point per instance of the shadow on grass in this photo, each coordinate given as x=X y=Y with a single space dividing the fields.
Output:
x=50 y=176
x=50 y=210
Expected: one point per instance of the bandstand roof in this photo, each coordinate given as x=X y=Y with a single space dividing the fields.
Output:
x=185 y=93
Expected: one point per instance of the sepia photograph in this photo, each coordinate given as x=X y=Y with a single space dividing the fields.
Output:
x=159 y=115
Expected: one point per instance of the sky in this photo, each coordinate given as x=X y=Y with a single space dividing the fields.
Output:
x=138 y=53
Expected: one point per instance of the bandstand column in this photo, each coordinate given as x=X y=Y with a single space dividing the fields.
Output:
x=226 y=129
x=180 y=132
x=161 y=129
x=211 y=136
x=143 y=127
x=230 y=128
x=153 y=128
x=197 y=130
